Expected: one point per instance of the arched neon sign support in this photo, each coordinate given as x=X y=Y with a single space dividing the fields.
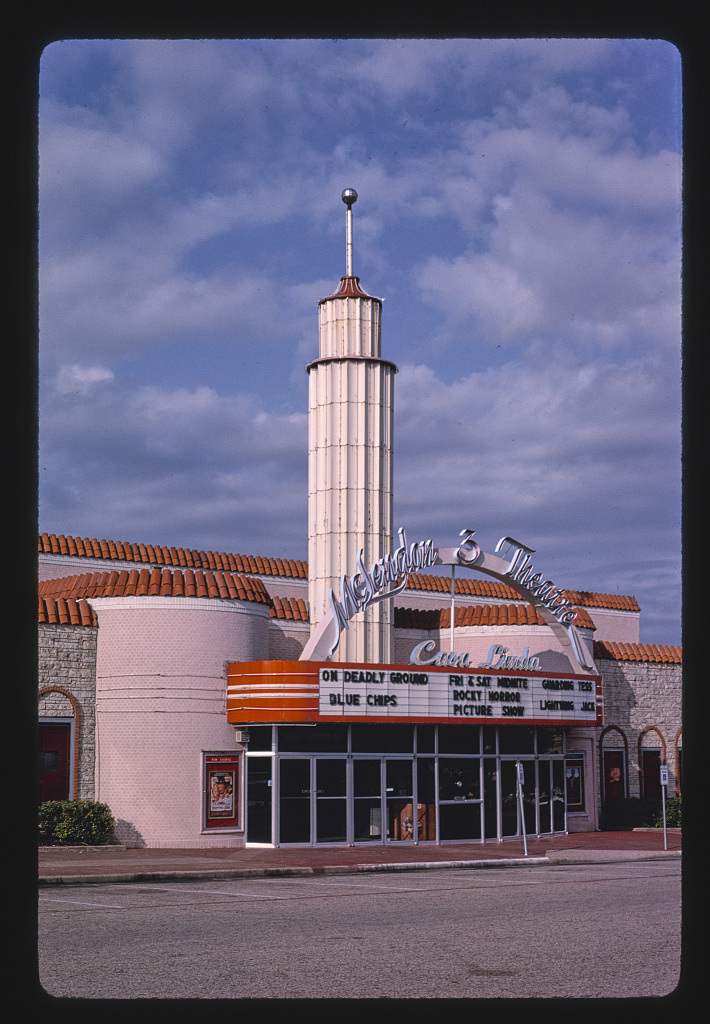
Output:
x=515 y=569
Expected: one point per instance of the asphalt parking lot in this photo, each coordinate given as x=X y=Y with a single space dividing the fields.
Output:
x=539 y=930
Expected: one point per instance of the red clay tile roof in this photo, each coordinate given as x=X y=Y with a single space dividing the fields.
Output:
x=477 y=615
x=472 y=588
x=59 y=544
x=292 y=608
x=157 y=582
x=588 y=598
x=349 y=288
x=66 y=611
x=484 y=588
x=660 y=653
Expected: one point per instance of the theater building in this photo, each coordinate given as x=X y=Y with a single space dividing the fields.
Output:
x=381 y=693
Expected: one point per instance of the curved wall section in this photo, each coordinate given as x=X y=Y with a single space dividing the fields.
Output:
x=160 y=703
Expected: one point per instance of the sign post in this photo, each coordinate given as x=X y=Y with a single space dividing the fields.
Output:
x=664 y=786
x=519 y=766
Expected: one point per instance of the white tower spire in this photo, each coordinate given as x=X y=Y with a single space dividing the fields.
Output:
x=349 y=196
x=350 y=424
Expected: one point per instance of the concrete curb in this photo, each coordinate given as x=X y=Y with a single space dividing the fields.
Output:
x=556 y=857
x=335 y=869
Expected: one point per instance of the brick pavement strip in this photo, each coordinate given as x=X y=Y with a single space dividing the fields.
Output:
x=59 y=865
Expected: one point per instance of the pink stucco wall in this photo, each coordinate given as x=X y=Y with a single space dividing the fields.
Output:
x=160 y=703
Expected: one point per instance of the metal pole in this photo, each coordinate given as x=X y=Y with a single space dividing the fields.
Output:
x=349 y=196
x=453 y=606
x=519 y=768
x=349 y=243
x=663 y=799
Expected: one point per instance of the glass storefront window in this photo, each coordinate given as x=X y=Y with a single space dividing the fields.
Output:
x=318 y=739
x=516 y=739
x=380 y=739
x=425 y=738
x=549 y=740
x=259 y=738
x=459 y=739
x=490 y=745
x=460 y=821
x=363 y=783
x=459 y=778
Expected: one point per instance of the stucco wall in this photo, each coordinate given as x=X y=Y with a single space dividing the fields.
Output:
x=160 y=703
x=287 y=639
x=619 y=627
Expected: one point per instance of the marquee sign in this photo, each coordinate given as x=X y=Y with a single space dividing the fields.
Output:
x=388 y=577
x=297 y=691
x=373 y=691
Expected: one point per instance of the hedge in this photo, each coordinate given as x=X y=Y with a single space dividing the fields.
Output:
x=673 y=814
x=635 y=812
x=74 y=823
x=632 y=812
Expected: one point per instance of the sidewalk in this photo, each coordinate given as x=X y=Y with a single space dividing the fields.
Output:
x=76 y=865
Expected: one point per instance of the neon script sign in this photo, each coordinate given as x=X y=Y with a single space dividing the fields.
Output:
x=385 y=579
x=388 y=577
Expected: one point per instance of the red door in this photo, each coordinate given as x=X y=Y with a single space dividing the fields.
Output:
x=54 y=761
x=613 y=776
x=651 y=773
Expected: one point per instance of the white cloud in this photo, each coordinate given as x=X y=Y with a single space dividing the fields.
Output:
x=81 y=380
x=518 y=194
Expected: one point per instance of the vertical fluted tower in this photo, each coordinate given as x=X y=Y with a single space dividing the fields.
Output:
x=350 y=427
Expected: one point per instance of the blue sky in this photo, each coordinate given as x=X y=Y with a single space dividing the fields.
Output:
x=518 y=212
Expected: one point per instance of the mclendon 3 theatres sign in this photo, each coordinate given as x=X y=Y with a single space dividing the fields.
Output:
x=297 y=691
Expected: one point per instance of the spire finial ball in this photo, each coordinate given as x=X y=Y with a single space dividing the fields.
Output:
x=349 y=196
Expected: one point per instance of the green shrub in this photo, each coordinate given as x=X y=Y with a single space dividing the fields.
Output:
x=74 y=823
x=673 y=814
x=632 y=812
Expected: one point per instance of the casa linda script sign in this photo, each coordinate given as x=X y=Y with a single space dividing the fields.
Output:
x=511 y=564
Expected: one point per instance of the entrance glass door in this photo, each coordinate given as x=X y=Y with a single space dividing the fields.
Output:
x=551 y=795
x=259 y=799
x=400 y=800
x=490 y=798
x=294 y=800
x=312 y=800
x=383 y=791
x=459 y=798
x=331 y=802
x=367 y=800
x=510 y=807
